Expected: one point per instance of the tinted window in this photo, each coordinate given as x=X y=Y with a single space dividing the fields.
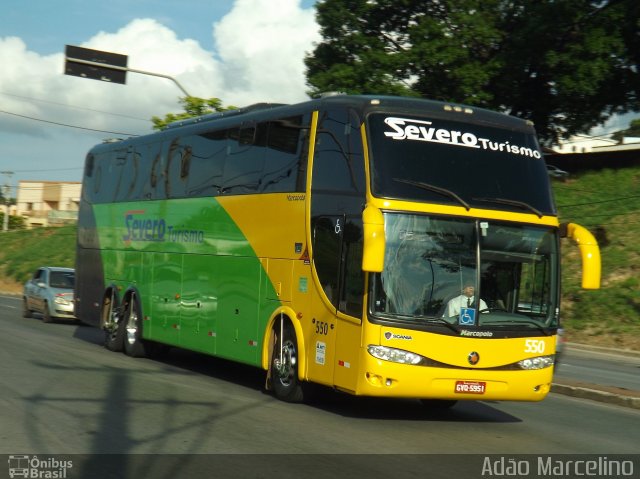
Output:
x=481 y=164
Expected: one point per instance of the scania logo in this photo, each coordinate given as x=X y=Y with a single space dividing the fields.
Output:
x=389 y=335
x=473 y=358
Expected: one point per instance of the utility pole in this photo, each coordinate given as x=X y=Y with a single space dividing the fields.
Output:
x=6 y=191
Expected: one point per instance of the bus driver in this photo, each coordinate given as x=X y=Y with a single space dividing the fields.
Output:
x=465 y=300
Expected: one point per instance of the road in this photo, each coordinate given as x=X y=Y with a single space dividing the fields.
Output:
x=603 y=368
x=61 y=392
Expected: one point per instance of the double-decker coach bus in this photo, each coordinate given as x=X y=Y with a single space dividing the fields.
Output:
x=330 y=242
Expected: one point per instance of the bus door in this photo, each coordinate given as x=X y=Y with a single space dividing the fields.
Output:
x=326 y=247
x=337 y=200
x=337 y=246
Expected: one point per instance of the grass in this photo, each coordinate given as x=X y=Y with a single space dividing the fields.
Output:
x=23 y=251
x=607 y=202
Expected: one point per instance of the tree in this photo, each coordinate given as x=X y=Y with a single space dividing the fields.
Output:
x=633 y=130
x=193 y=106
x=566 y=65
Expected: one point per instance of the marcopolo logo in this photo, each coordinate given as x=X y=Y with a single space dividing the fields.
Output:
x=422 y=130
x=142 y=227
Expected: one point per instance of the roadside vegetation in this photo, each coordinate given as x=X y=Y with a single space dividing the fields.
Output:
x=607 y=202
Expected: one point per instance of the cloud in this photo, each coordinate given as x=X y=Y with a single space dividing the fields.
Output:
x=260 y=50
x=260 y=46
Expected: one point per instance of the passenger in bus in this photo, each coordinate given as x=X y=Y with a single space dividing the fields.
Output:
x=465 y=300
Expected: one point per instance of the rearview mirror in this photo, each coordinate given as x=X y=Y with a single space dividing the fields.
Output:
x=373 y=249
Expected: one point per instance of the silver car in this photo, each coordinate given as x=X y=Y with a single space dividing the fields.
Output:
x=50 y=293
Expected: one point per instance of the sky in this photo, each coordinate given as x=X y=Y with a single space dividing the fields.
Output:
x=241 y=51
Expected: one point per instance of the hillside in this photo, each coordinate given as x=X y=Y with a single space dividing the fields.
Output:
x=606 y=201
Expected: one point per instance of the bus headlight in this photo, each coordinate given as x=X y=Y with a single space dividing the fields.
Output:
x=394 y=355
x=539 y=362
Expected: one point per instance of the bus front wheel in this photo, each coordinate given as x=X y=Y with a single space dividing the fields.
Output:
x=284 y=367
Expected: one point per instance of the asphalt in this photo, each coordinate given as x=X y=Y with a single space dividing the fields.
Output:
x=594 y=392
x=597 y=392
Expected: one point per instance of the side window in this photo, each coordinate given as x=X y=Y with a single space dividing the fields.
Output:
x=152 y=173
x=106 y=176
x=327 y=239
x=37 y=276
x=208 y=155
x=352 y=288
x=178 y=154
x=129 y=176
x=244 y=164
x=339 y=160
x=286 y=156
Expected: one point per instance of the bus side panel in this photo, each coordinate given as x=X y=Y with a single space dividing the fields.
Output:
x=238 y=291
x=199 y=317
x=165 y=292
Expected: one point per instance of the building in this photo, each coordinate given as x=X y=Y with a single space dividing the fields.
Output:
x=48 y=203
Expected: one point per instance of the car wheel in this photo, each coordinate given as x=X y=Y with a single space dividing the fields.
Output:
x=46 y=314
x=26 y=312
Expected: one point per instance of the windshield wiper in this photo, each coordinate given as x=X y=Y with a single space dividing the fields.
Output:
x=523 y=320
x=445 y=322
x=435 y=189
x=503 y=201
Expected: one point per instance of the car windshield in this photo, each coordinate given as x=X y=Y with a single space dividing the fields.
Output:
x=447 y=162
x=62 y=279
x=466 y=272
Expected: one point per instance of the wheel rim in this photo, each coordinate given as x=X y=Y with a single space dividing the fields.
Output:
x=286 y=363
x=110 y=318
x=132 y=324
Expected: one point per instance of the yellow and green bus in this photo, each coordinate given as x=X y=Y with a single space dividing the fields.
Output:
x=330 y=242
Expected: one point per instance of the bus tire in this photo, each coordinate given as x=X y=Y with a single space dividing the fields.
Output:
x=284 y=367
x=112 y=327
x=134 y=345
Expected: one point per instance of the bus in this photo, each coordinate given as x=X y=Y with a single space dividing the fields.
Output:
x=328 y=243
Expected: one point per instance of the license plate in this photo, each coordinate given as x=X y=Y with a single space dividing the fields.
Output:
x=470 y=387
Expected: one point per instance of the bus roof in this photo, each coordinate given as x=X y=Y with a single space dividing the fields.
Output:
x=363 y=104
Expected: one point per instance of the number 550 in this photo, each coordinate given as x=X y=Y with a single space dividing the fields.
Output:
x=534 y=346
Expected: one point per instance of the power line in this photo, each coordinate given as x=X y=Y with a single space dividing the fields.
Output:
x=73 y=106
x=67 y=125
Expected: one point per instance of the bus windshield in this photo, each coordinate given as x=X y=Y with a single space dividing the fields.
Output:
x=464 y=164
x=467 y=272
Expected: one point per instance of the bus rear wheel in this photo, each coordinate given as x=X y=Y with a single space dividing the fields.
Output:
x=133 y=343
x=284 y=367
x=110 y=324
